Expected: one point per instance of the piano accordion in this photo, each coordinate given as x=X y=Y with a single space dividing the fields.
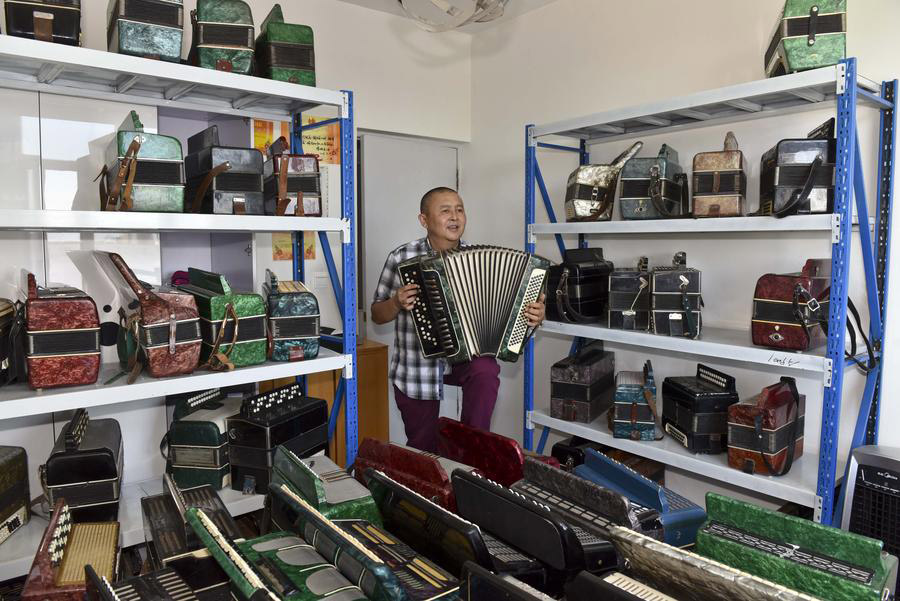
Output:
x=680 y=518
x=426 y=473
x=15 y=494
x=293 y=320
x=819 y=560
x=330 y=489
x=471 y=301
x=283 y=416
x=85 y=468
x=155 y=586
x=613 y=587
x=57 y=573
x=480 y=584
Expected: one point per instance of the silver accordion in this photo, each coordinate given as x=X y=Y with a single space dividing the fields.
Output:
x=471 y=301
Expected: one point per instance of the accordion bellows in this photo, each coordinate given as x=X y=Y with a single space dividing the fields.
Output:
x=471 y=301
x=223 y=36
x=285 y=51
x=146 y=28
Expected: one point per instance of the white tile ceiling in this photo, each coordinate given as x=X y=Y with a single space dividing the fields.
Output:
x=513 y=9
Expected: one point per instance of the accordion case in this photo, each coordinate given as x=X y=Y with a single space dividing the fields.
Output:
x=591 y=188
x=285 y=51
x=825 y=562
x=613 y=587
x=62 y=336
x=325 y=486
x=676 y=301
x=12 y=342
x=198 y=441
x=481 y=584
x=720 y=181
x=790 y=309
x=223 y=36
x=15 y=495
x=654 y=188
x=222 y=179
x=232 y=324
x=143 y=171
x=629 y=298
x=680 y=518
x=633 y=414
x=695 y=409
x=579 y=286
x=85 y=468
x=425 y=473
x=582 y=385
x=293 y=321
x=797 y=175
x=809 y=34
x=57 y=573
x=146 y=28
x=164 y=335
x=46 y=20
x=451 y=315
x=280 y=417
x=765 y=433
x=497 y=457
x=166 y=531
x=155 y=586
x=686 y=575
x=291 y=182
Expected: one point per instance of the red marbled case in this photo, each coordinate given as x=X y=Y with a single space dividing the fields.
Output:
x=774 y=324
x=63 y=337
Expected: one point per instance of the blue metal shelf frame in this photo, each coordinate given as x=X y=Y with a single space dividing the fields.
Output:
x=849 y=186
x=344 y=293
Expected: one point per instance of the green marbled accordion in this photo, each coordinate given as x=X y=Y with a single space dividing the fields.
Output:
x=223 y=36
x=809 y=34
x=293 y=320
x=285 y=51
x=146 y=28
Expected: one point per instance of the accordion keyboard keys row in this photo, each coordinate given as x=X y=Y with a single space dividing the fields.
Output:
x=503 y=552
x=561 y=505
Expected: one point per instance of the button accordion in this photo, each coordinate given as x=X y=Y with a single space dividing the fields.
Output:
x=164 y=584
x=471 y=301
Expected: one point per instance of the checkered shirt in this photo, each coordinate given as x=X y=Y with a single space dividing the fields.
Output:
x=415 y=376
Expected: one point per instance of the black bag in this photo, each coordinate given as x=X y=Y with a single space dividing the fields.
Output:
x=579 y=286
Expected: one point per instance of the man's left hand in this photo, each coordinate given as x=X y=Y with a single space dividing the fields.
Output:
x=534 y=312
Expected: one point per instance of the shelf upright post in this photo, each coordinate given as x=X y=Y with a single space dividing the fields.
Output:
x=885 y=195
x=530 y=158
x=297 y=244
x=584 y=158
x=348 y=257
x=837 y=309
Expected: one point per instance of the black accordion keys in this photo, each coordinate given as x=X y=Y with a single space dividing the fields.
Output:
x=695 y=409
x=676 y=299
x=281 y=417
x=155 y=586
x=629 y=297
x=85 y=468
x=471 y=301
x=612 y=587
x=222 y=179
x=46 y=20
x=14 y=491
x=579 y=286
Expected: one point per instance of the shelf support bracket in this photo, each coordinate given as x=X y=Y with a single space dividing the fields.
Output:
x=178 y=90
x=692 y=114
x=810 y=95
x=49 y=72
x=126 y=83
x=244 y=101
x=653 y=120
x=745 y=105
x=835 y=228
x=827 y=372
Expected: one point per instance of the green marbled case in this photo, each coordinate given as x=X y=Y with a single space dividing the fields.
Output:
x=223 y=36
x=152 y=29
x=790 y=50
x=293 y=320
x=285 y=51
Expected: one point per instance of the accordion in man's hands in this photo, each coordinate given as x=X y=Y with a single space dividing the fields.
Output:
x=471 y=301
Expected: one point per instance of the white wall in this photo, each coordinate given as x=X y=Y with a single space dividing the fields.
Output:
x=575 y=57
x=404 y=79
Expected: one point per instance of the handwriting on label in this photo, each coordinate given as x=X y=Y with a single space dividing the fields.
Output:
x=783 y=360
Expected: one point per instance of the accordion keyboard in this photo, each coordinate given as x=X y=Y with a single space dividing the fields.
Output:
x=565 y=508
x=89 y=544
x=634 y=588
x=429 y=312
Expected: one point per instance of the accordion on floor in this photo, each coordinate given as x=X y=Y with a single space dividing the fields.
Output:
x=471 y=301
x=164 y=584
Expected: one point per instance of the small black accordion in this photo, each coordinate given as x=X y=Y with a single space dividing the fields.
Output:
x=471 y=301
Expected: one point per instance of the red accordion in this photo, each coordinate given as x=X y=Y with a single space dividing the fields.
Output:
x=789 y=309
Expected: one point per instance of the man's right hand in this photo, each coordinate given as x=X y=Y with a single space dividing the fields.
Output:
x=406 y=297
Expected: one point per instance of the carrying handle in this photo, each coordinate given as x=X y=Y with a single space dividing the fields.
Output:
x=31 y=285
x=731 y=143
x=15 y=351
x=219 y=361
x=813 y=25
x=789 y=460
x=656 y=196
x=130 y=324
x=115 y=199
x=563 y=302
x=164 y=447
x=814 y=307
x=282 y=200
x=627 y=155
x=802 y=194
x=207 y=182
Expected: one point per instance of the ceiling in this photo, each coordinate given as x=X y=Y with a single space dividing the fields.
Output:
x=513 y=10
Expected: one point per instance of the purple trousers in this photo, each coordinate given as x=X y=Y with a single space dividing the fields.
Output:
x=480 y=382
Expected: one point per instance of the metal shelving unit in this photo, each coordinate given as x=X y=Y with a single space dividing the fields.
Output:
x=812 y=480
x=80 y=72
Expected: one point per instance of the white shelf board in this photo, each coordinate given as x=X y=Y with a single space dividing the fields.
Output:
x=798 y=485
x=125 y=221
x=17 y=553
x=18 y=400
x=56 y=68
x=798 y=91
x=794 y=223
x=724 y=343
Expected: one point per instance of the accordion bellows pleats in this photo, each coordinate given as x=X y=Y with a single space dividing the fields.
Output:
x=471 y=301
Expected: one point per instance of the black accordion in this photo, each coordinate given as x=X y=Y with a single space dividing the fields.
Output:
x=471 y=301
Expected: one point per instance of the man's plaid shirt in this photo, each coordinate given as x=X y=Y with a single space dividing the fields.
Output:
x=413 y=374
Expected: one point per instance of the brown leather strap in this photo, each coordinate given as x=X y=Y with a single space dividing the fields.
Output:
x=220 y=361
x=43 y=25
x=206 y=183
x=109 y=200
x=283 y=199
x=131 y=324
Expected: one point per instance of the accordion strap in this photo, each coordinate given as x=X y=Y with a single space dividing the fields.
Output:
x=801 y=195
x=130 y=325
x=283 y=201
x=693 y=326
x=117 y=198
x=206 y=183
x=221 y=361
x=792 y=442
x=656 y=196
x=814 y=310
x=15 y=352
x=564 y=304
